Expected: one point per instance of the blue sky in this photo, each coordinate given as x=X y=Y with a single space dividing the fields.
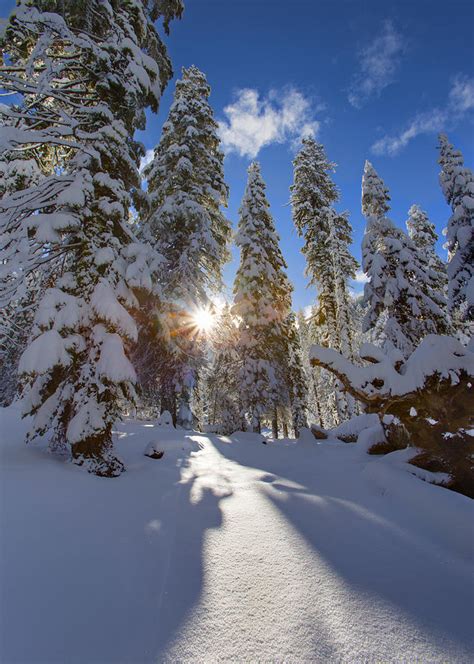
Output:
x=367 y=70
x=372 y=79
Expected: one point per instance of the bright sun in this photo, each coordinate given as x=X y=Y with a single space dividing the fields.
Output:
x=204 y=320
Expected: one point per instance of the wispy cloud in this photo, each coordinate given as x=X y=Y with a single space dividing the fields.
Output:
x=378 y=63
x=460 y=102
x=254 y=122
x=461 y=96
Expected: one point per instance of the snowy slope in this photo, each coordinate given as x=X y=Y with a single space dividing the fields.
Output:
x=230 y=550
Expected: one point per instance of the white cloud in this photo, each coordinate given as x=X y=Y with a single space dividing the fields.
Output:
x=308 y=310
x=254 y=122
x=147 y=159
x=378 y=63
x=361 y=277
x=460 y=102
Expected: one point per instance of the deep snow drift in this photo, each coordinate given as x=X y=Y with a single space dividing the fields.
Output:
x=230 y=550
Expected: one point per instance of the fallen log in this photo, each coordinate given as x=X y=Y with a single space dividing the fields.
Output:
x=425 y=401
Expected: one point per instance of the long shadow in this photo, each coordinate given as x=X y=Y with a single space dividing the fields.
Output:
x=367 y=542
x=183 y=580
x=175 y=527
x=376 y=558
x=100 y=570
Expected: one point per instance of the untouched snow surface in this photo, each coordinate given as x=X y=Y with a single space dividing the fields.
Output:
x=230 y=550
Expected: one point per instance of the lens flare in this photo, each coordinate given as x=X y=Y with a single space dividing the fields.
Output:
x=204 y=320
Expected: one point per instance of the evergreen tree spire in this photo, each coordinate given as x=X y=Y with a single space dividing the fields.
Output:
x=327 y=236
x=185 y=224
x=262 y=301
x=403 y=302
x=423 y=235
x=375 y=195
x=457 y=183
x=186 y=189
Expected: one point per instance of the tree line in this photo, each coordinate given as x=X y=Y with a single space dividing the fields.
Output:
x=103 y=280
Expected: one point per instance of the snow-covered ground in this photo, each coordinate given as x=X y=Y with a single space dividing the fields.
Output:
x=230 y=550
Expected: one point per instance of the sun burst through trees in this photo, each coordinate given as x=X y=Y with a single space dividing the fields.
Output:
x=203 y=320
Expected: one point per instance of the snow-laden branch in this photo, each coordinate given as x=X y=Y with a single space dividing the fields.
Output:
x=388 y=375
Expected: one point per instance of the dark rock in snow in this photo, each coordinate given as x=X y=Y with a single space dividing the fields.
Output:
x=154 y=454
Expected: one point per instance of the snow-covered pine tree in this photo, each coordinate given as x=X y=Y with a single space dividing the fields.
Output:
x=403 y=302
x=314 y=389
x=17 y=171
x=331 y=400
x=345 y=266
x=262 y=301
x=185 y=224
x=327 y=236
x=457 y=183
x=423 y=234
x=222 y=376
x=297 y=378
x=312 y=195
x=86 y=72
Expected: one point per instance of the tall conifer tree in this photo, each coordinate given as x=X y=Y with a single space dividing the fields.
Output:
x=457 y=183
x=262 y=300
x=403 y=302
x=185 y=224
x=423 y=235
x=86 y=72
x=327 y=236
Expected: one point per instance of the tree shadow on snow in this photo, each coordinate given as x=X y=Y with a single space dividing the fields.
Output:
x=377 y=558
x=118 y=563
x=191 y=516
x=367 y=542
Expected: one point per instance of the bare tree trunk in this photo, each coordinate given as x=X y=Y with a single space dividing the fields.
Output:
x=318 y=404
x=275 y=423
x=256 y=424
x=168 y=402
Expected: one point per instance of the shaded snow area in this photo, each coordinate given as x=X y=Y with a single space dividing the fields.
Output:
x=226 y=550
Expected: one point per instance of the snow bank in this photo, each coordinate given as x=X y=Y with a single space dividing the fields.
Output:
x=354 y=426
x=229 y=550
x=440 y=513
